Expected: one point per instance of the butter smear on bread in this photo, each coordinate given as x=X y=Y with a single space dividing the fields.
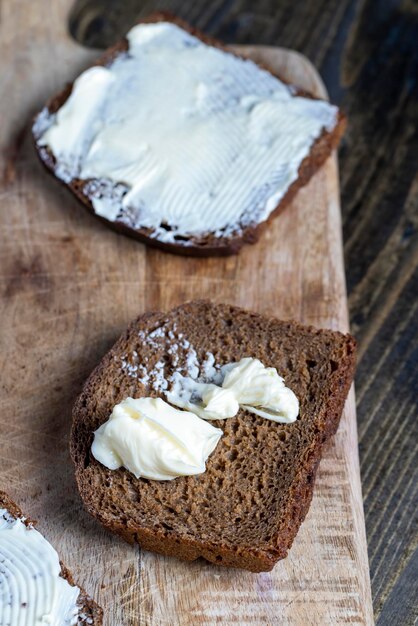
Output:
x=182 y=138
x=32 y=589
x=153 y=440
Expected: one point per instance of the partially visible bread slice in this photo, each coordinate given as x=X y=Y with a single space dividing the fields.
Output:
x=245 y=510
x=90 y=613
x=205 y=243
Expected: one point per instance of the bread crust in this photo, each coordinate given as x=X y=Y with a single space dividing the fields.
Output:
x=90 y=612
x=207 y=245
x=252 y=558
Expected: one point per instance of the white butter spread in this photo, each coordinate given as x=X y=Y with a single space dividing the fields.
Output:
x=32 y=592
x=247 y=383
x=181 y=137
x=154 y=440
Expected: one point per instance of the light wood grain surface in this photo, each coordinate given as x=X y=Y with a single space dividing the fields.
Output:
x=69 y=286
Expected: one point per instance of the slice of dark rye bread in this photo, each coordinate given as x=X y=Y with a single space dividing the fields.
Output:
x=208 y=244
x=246 y=509
x=90 y=613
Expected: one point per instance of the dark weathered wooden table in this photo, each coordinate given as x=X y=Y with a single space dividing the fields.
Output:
x=367 y=53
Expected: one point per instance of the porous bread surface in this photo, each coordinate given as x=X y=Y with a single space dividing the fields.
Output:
x=207 y=244
x=245 y=510
x=90 y=613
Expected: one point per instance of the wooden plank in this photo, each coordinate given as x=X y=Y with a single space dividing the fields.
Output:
x=367 y=53
x=69 y=286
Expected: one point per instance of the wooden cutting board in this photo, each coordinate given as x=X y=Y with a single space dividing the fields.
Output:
x=69 y=286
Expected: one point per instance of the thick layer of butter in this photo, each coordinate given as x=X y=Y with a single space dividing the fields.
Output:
x=32 y=592
x=154 y=440
x=248 y=383
x=197 y=138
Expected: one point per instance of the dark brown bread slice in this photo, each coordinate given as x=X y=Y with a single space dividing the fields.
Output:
x=245 y=510
x=90 y=613
x=207 y=245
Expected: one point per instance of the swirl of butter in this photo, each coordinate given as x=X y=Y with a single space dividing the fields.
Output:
x=247 y=383
x=32 y=591
x=154 y=440
x=221 y=403
x=262 y=391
